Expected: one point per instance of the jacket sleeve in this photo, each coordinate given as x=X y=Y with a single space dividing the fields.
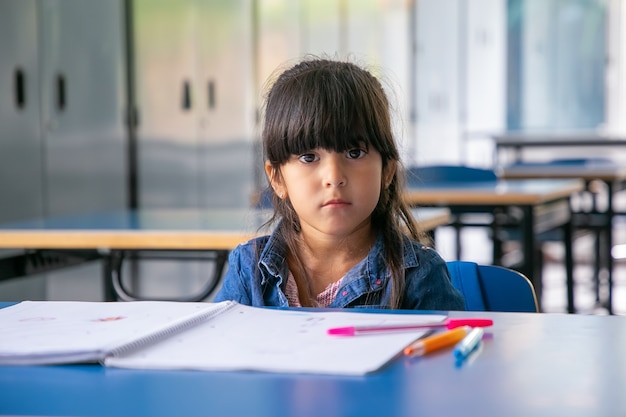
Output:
x=236 y=285
x=429 y=286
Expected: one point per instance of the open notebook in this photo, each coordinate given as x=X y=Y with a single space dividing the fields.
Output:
x=199 y=336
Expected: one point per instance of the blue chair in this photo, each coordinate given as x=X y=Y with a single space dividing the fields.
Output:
x=565 y=162
x=493 y=288
x=419 y=176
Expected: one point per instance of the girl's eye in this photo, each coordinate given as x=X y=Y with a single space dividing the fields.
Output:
x=356 y=153
x=307 y=158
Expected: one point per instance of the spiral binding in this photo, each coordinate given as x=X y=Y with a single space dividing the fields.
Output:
x=185 y=324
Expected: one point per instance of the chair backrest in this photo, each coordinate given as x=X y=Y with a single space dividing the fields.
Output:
x=565 y=162
x=422 y=175
x=492 y=288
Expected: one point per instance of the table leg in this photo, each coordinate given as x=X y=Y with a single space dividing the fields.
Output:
x=108 y=270
x=114 y=289
x=609 y=244
x=569 y=264
x=528 y=266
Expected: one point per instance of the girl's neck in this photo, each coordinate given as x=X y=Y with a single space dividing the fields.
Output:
x=326 y=260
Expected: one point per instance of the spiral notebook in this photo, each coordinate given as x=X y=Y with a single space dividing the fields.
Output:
x=198 y=336
x=56 y=332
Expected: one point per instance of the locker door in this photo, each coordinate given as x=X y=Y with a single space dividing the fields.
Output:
x=82 y=83
x=170 y=98
x=21 y=195
x=83 y=105
x=225 y=102
x=365 y=30
x=437 y=82
x=279 y=38
x=278 y=44
x=378 y=35
x=322 y=30
x=165 y=65
x=20 y=136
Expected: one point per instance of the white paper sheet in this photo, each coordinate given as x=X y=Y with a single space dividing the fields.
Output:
x=247 y=338
x=51 y=332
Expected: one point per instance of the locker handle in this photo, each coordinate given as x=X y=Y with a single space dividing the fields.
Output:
x=61 y=93
x=211 y=94
x=186 y=95
x=20 y=89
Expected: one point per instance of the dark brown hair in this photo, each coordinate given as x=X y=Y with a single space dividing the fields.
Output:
x=335 y=105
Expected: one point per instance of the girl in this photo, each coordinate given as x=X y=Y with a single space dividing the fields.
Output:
x=344 y=236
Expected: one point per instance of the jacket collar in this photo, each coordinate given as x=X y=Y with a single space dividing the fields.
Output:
x=273 y=260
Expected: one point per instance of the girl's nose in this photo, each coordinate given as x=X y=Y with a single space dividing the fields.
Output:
x=334 y=175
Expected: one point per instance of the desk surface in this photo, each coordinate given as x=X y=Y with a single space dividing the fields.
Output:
x=500 y=192
x=557 y=139
x=605 y=171
x=156 y=229
x=529 y=365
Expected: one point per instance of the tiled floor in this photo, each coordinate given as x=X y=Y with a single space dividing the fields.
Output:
x=477 y=247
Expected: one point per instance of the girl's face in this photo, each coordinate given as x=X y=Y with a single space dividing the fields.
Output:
x=333 y=193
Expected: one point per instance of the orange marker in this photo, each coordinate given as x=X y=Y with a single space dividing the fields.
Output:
x=438 y=341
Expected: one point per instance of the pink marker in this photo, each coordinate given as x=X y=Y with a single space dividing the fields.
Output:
x=448 y=324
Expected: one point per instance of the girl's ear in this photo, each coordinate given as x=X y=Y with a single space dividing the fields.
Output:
x=273 y=176
x=389 y=172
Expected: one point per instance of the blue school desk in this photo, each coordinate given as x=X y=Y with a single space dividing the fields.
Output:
x=528 y=365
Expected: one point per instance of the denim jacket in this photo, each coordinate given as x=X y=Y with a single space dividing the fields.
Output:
x=260 y=280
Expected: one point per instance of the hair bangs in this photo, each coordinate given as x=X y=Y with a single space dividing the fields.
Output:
x=323 y=110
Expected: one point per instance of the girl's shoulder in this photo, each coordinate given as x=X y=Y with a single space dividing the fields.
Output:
x=252 y=245
x=416 y=253
x=267 y=246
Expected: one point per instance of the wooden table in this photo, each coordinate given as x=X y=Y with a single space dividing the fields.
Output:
x=45 y=244
x=544 y=205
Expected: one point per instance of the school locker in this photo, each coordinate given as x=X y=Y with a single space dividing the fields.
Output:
x=62 y=132
x=21 y=188
x=196 y=123
x=225 y=102
x=195 y=102
x=167 y=130
x=83 y=105
x=21 y=166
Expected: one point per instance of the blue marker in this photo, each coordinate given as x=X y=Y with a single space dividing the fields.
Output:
x=468 y=344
